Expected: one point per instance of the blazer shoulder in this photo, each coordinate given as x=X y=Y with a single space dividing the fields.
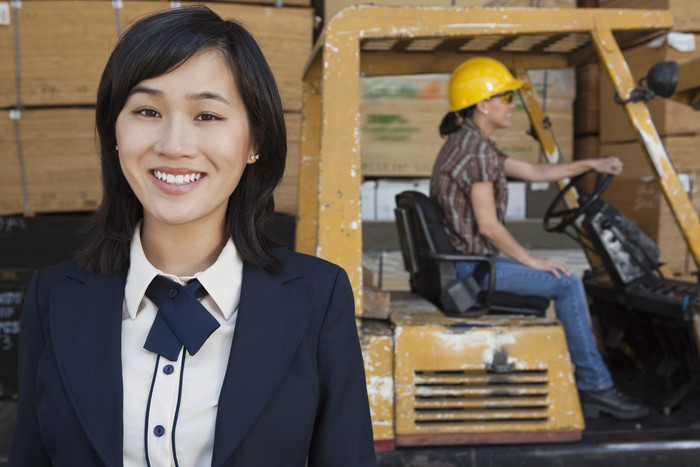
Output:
x=307 y=264
x=58 y=272
x=67 y=273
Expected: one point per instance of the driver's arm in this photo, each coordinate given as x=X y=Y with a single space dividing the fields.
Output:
x=547 y=172
x=484 y=207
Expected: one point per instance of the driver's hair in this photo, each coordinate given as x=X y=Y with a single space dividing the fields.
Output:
x=452 y=121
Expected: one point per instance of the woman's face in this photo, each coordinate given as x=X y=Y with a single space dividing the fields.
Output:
x=184 y=141
x=500 y=110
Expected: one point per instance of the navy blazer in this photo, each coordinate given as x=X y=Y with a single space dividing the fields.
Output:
x=294 y=389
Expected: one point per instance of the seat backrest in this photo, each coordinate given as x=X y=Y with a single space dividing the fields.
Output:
x=421 y=234
x=420 y=231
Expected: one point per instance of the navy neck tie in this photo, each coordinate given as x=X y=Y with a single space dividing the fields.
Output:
x=181 y=319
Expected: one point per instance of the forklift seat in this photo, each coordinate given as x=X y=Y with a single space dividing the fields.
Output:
x=430 y=258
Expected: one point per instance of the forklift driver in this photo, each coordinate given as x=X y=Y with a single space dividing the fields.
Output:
x=468 y=186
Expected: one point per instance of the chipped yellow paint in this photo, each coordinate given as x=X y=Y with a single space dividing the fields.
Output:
x=307 y=201
x=378 y=353
x=443 y=385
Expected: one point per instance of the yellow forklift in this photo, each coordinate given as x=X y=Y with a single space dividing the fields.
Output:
x=447 y=386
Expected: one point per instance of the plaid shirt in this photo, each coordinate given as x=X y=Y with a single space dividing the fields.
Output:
x=467 y=157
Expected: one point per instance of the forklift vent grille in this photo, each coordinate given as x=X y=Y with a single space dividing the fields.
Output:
x=480 y=397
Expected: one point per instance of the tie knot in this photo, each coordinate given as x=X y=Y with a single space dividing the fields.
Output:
x=162 y=289
x=181 y=319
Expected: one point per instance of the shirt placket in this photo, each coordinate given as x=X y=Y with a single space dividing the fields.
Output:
x=162 y=413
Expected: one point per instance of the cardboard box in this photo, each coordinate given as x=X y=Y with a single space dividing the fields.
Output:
x=62 y=165
x=387 y=268
x=368 y=200
x=517 y=203
x=400 y=118
x=386 y=192
x=64 y=45
x=682 y=151
x=686 y=16
x=670 y=117
x=538 y=197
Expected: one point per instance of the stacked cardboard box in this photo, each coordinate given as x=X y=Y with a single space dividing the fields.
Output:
x=401 y=115
x=61 y=49
x=670 y=117
x=686 y=16
x=679 y=127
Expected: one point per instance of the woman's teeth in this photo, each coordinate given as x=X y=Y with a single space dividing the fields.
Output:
x=176 y=179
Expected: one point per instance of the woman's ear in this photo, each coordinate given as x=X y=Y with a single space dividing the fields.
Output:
x=482 y=107
x=253 y=155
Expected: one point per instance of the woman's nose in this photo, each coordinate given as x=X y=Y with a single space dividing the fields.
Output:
x=175 y=138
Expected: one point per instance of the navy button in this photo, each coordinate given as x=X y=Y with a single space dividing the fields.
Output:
x=172 y=292
x=168 y=369
x=159 y=430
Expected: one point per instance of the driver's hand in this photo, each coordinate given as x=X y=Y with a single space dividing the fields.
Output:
x=555 y=266
x=608 y=165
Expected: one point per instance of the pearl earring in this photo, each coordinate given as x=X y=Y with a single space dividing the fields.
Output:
x=485 y=112
x=116 y=147
x=254 y=157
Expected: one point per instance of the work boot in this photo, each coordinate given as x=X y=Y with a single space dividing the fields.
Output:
x=611 y=402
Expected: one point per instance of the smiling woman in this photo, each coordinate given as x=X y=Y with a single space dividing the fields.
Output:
x=181 y=336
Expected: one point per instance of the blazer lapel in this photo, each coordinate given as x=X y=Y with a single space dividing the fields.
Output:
x=272 y=319
x=85 y=324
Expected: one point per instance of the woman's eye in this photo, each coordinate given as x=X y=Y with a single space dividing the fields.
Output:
x=206 y=117
x=148 y=113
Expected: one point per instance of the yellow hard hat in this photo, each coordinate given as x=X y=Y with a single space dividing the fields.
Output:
x=478 y=79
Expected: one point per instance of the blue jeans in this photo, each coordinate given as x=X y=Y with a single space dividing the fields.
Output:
x=570 y=307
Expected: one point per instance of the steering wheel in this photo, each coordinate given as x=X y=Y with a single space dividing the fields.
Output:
x=567 y=216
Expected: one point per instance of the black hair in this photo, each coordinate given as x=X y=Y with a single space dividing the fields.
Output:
x=151 y=47
x=452 y=121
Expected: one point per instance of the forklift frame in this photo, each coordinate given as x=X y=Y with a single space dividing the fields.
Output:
x=377 y=41
x=380 y=41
